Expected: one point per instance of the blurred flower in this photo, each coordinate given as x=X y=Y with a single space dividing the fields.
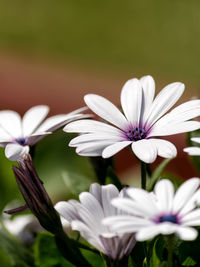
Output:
x=141 y=123
x=25 y=227
x=86 y=217
x=35 y=196
x=193 y=151
x=162 y=212
x=18 y=134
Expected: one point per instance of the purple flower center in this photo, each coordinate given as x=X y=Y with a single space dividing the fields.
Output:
x=167 y=218
x=136 y=134
x=22 y=141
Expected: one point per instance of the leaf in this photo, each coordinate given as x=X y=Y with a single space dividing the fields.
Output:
x=47 y=254
x=17 y=253
x=156 y=174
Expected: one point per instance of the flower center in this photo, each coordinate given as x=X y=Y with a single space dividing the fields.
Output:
x=22 y=141
x=168 y=218
x=136 y=134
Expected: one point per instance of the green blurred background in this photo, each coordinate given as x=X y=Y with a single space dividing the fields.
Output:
x=54 y=52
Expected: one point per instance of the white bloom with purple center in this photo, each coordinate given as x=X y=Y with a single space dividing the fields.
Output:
x=86 y=217
x=18 y=134
x=193 y=150
x=139 y=126
x=160 y=212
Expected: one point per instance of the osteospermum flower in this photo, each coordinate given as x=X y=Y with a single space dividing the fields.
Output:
x=161 y=212
x=139 y=126
x=18 y=134
x=86 y=217
x=193 y=150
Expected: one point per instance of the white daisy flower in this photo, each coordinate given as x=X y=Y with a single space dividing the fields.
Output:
x=193 y=150
x=18 y=134
x=161 y=212
x=139 y=126
x=86 y=217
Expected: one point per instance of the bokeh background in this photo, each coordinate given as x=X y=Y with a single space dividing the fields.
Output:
x=55 y=52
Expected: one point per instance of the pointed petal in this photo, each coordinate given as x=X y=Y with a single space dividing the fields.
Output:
x=10 y=121
x=86 y=126
x=184 y=193
x=145 y=150
x=148 y=92
x=32 y=119
x=106 y=110
x=164 y=191
x=94 y=137
x=112 y=149
x=131 y=100
x=164 y=101
x=176 y=128
x=14 y=152
x=92 y=149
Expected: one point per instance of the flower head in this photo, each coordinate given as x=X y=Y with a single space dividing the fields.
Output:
x=140 y=124
x=159 y=212
x=193 y=150
x=18 y=134
x=86 y=217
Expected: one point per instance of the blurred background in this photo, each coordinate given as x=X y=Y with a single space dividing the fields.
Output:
x=55 y=52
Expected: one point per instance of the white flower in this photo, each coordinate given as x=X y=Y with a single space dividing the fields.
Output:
x=18 y=134
x=193 y=151
x=86 y=217
x=140 y=124
x=162 y=212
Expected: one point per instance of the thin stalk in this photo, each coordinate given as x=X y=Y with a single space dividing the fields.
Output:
x=170 y=251
x=143 y=175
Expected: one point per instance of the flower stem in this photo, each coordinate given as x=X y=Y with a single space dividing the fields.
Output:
x=170 y=251
x=143 y=175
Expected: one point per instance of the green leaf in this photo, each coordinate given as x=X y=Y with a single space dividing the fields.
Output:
x=17 y=253
x=47 y=254
x=112 y=178
x=156 y=174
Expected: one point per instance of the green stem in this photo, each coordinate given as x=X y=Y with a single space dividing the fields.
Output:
x=143 y=175
x=170 y=251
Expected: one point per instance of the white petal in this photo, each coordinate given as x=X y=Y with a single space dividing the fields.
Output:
x=164 y=191
x=4 y=136
x=66 y=210
x=145 y=150
x=186 y=233
x=196 y=139
x=192 y=151
x=131 y=100
x=10 y=121
x=148 y=90
x=112 y=149
x=14 y=152
x=106 y=110
x=175 y=128
x=164 y=101
x=192 y=203
x=92 y=149
x=165 y=148
x=184 y=193
x=86 y=126
x=148 y=232
x=193 y=215
x=95 y=190
x=94 y=137
x=32 y=119
x=108 y=193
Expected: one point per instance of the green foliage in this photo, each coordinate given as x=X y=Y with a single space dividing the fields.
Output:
x=18 y=255
x=47 y=254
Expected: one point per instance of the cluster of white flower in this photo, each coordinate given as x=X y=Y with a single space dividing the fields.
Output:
x=110 y=220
